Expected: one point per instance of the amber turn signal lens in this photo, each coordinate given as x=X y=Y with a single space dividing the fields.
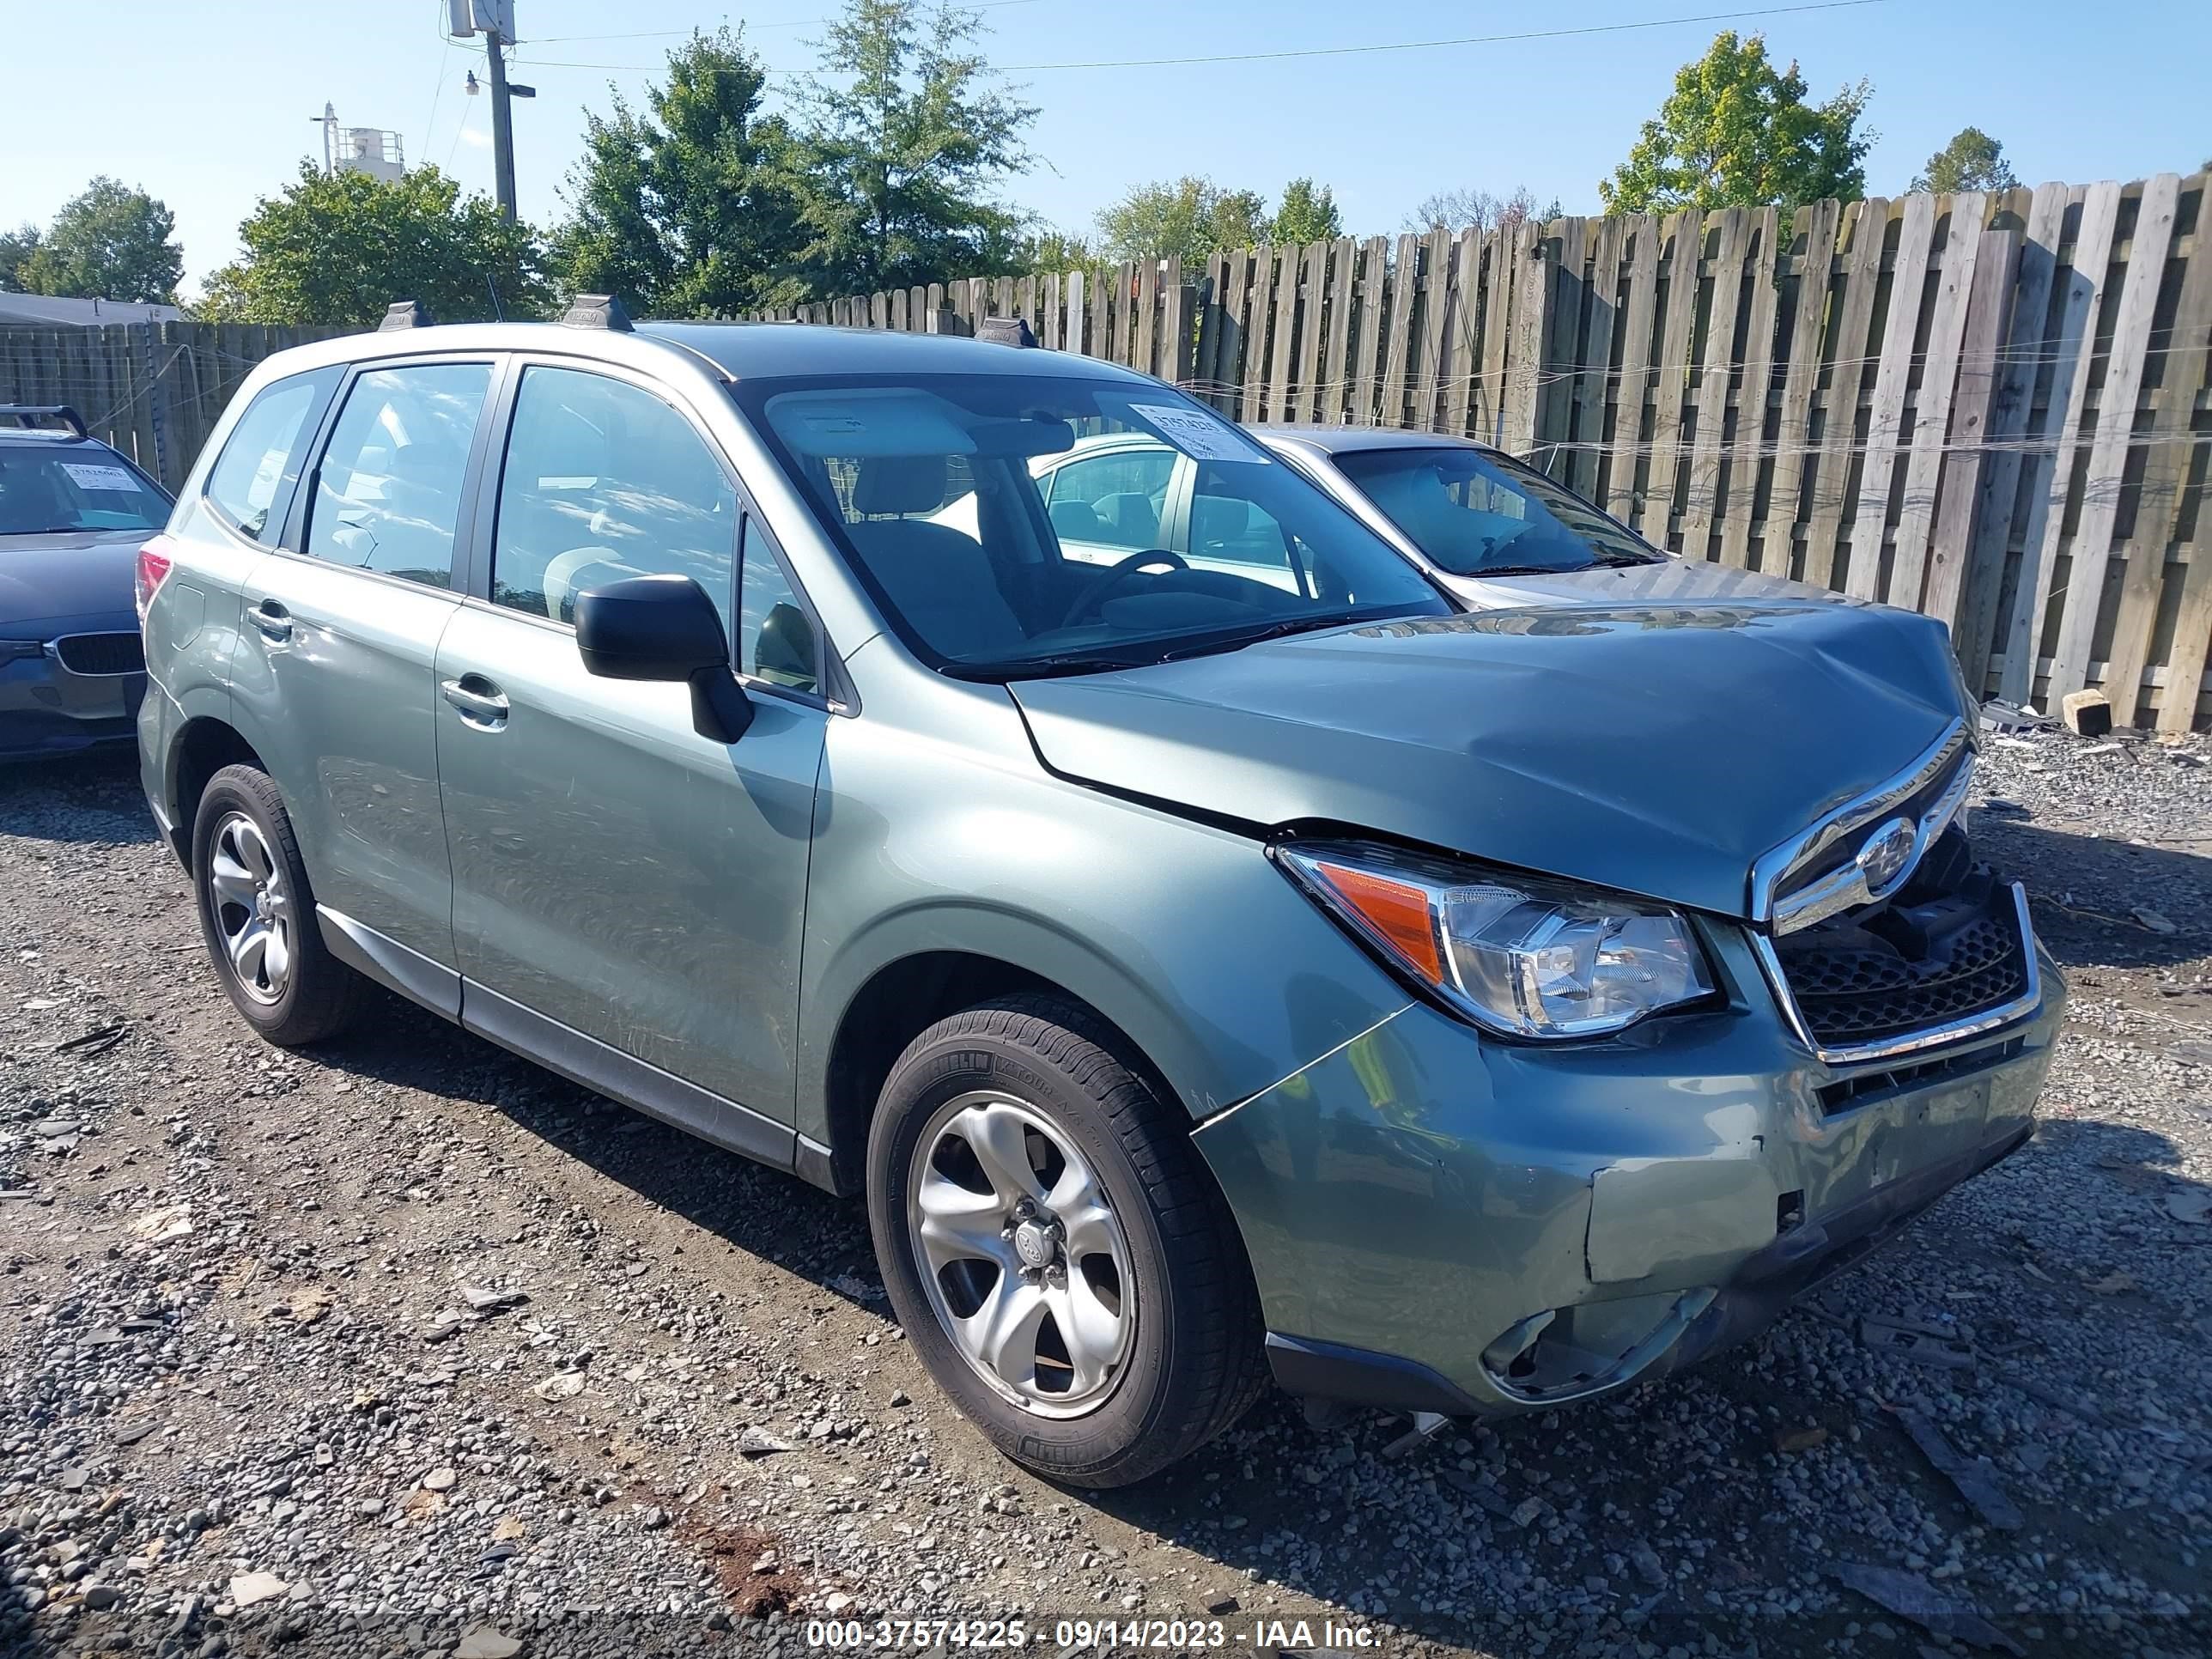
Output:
x=1398 y=911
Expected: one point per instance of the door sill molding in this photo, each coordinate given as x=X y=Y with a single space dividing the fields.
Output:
x=581 y=1059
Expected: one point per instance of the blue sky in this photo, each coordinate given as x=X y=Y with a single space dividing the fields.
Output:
x=209 y=116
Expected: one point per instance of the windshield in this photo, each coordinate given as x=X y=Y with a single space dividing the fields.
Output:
x=1011 y=526
x=46 y=489
x=1476 y=515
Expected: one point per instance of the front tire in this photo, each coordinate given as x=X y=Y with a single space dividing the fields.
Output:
x=257 y=914
x=1054 y=1248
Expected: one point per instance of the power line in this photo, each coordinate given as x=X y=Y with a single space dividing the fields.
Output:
x=778 y=23
x=1338 y=51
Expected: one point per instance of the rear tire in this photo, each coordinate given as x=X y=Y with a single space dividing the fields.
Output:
x=257 y=914
x=1126 y=1240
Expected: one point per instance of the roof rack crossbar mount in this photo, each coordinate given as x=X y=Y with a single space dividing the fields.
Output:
x=30 y=415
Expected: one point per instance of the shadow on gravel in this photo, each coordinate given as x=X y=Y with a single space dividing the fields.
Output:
x=91 y=800
x=2085 y=890
x=762 y=1212
x=1291 y=1504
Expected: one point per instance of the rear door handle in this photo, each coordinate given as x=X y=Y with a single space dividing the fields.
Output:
x=274 y=620
x=482 y=704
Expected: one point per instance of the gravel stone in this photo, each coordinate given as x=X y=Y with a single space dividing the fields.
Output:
x=724 y=1313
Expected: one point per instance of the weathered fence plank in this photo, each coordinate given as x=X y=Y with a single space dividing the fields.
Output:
x=2100 y=493
x=1923 y=432
x=1640 y=317
x=2013 y=440
x=1685 y=241
x=1952 y=597
x=2179 y=357
x=1752 y=394
x=1714 y=372
x=1861 y=571
x=2072 y=352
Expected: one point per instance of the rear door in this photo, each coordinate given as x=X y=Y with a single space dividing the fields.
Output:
x=333 y=679
x=616 y=872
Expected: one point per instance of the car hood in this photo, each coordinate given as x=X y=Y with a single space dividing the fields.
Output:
x=1654 y=748
x=1665 y=582
x=67 y=575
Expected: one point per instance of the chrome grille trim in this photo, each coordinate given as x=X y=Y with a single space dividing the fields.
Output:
x=102 y=655
x=1842 y=889
x=1971 y=1025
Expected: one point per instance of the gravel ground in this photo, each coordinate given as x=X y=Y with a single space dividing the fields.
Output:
x=411 y=1344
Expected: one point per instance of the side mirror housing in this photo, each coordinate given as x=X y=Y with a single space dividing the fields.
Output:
x=665 y=628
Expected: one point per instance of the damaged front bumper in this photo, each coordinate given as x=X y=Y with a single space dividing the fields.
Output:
x=1446 y=1224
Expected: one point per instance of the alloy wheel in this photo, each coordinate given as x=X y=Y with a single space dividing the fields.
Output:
x=1025 y=1262
x=251 y=903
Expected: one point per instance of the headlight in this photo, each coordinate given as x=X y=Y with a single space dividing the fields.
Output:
x=1518 y=957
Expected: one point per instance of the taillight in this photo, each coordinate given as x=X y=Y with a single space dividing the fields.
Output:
x=153 y=571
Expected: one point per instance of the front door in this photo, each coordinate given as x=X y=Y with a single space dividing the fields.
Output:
x=614 y=872
x=1108 y=505
x=333 y=674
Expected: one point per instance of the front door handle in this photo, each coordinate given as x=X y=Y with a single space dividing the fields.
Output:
x=274 y=620
x=482 y=704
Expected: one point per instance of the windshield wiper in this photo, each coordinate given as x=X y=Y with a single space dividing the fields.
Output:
x=1255 y=635
x=1040 y=667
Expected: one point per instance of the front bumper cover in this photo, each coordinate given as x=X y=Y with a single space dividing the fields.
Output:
x=1440 y=1224
x=46 y=709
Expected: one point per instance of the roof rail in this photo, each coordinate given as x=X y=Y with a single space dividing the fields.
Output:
x=597 y=311
x=28 y=415
x=404 y=313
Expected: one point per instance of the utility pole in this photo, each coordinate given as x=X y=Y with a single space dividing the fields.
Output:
x=495 y=20
x=502 y=130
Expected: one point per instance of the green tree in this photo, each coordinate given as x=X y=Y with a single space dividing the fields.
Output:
x=1190 y=217
x=340 y=247
x=688 y=210
x=16 y=247
x=1458 y=210
x=1047 y=250
x=897 y=167
x=108 y=243
x=1308 y=214
x=1737 y=133
x=1972 y=161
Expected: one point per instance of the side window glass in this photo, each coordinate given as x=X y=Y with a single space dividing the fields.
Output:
x=1112 y=501
x=604 y=480
x=388 y=492
x=261 y=459
x=1227 y=527
x=776 y=637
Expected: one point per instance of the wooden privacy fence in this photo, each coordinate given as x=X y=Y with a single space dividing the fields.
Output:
x=153 y=390
x=1989 y=408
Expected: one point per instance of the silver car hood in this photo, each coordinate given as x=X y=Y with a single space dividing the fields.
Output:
x=1667 y=581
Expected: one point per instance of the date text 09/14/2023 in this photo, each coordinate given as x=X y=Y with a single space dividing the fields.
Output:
x=1099 y=1634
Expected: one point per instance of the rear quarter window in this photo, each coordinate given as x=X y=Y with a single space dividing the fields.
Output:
x=251 y=482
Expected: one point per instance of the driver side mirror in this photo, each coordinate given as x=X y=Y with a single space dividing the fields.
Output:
x=665 y=628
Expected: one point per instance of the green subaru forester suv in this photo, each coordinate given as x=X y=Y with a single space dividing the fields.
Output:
x=1251 y=962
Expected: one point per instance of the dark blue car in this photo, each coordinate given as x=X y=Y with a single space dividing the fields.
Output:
x=73 y=515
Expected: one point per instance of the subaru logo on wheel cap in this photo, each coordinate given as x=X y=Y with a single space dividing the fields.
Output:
x=1886 y=856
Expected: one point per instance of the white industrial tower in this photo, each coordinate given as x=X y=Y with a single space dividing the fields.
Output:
x=374 y=150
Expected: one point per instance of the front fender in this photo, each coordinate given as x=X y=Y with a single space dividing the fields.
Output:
x=1184 y=936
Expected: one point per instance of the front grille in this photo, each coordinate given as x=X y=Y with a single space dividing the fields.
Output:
x=101 y=653
x=1907 y=968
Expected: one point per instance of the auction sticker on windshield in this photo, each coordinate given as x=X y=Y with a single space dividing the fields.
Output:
x=86 y=475
x=1199 y=436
